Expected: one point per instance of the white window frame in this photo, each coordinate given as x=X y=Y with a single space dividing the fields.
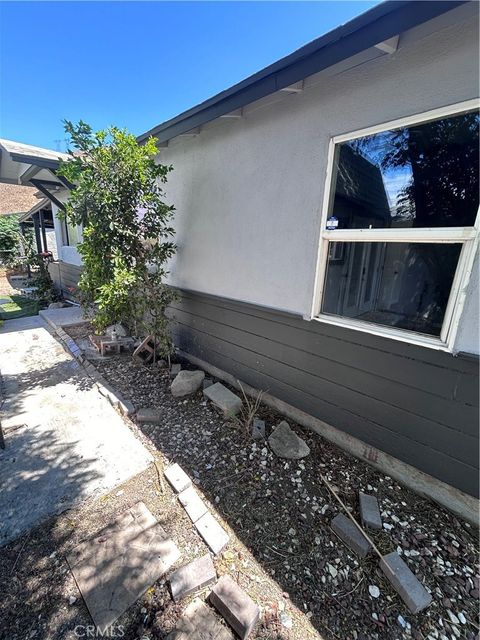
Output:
x=467 y=236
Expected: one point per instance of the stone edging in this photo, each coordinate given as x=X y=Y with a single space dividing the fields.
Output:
x=124 y=407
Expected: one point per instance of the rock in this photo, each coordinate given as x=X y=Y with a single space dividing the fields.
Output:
x=57 y=305
x=453 y=617
x=351 y=535
x=285 y=620
x=192 y=577
x=224 y=399
x=150 y=416
x=332 y=570
x=374 y=591
x=186 y=383
x=401 y=621
x=258 y=429
x=369 y=511
x=175 y=370
x=286 y=444
x=72 y=600
x=116 y=330
x=411 y=590
x=207 y=383
x=236 y=606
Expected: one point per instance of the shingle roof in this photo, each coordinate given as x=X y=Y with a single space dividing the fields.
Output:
x=15 y=198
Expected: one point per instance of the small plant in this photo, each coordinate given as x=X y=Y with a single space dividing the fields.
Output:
x=249 y=409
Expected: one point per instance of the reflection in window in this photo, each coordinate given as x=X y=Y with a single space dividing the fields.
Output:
x=398 y=284
x=425 y=175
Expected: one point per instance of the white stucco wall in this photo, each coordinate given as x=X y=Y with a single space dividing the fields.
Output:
x=66 y=253
x=249 y=192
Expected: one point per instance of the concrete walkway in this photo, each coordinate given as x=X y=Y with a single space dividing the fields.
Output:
x=64 y=441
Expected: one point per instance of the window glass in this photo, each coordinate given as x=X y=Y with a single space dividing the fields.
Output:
x=425 y=175
x=71 y=236
x=397 y=284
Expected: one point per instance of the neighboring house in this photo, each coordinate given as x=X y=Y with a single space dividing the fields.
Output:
x=327 y=230
x=32 y=211
x=22 y=164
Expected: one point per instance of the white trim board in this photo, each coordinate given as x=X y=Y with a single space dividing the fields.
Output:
x=468 y=236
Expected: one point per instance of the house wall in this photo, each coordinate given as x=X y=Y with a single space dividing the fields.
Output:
x=249 y=196
x=65 y=277
x=416 y=404
x=249 y=192
x=66 y=253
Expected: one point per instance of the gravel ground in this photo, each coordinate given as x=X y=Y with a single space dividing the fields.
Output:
x=281 y=512
x=282 y=550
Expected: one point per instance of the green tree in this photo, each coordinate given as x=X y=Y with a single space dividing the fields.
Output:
x=127 y=238
x=9 y=240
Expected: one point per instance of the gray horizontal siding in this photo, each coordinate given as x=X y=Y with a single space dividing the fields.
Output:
x=414 y=403
x=65 y=276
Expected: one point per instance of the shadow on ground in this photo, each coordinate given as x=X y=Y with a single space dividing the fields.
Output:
x=40 y=599
x=281 y=511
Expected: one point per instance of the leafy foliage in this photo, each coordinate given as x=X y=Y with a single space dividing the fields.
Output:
x=9 y=240
x=119 y=201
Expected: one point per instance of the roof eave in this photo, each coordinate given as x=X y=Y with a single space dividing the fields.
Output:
x=376 y=25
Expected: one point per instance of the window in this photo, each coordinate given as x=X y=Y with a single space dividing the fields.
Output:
x=399 y=227
x=70 y=234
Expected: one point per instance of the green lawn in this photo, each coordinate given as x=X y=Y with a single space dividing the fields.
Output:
x=17 y=307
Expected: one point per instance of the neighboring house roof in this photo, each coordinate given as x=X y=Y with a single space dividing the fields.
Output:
x=27 y=152
x=42 y=203
x=15 y=198
x=24 y=164
x=372 y=28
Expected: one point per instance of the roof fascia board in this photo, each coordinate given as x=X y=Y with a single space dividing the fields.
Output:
x=44 y=163
x=377 y=25
x=40 y=186
x=29 y=173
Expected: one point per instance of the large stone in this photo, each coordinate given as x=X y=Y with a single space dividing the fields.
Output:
x=369 y=511
x=409 y=588
x=199 y=622
x=286 y=444
x=236 y=606
x=224 y=399
x=186 y=383
x=212 y=533
x=347 y=531
x=192 y=577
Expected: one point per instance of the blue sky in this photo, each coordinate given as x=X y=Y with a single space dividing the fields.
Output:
x=136 y=64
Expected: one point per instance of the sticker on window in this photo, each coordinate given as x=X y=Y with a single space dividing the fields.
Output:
x=332 y=223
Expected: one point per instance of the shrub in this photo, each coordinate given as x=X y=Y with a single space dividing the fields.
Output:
x=127 y=241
